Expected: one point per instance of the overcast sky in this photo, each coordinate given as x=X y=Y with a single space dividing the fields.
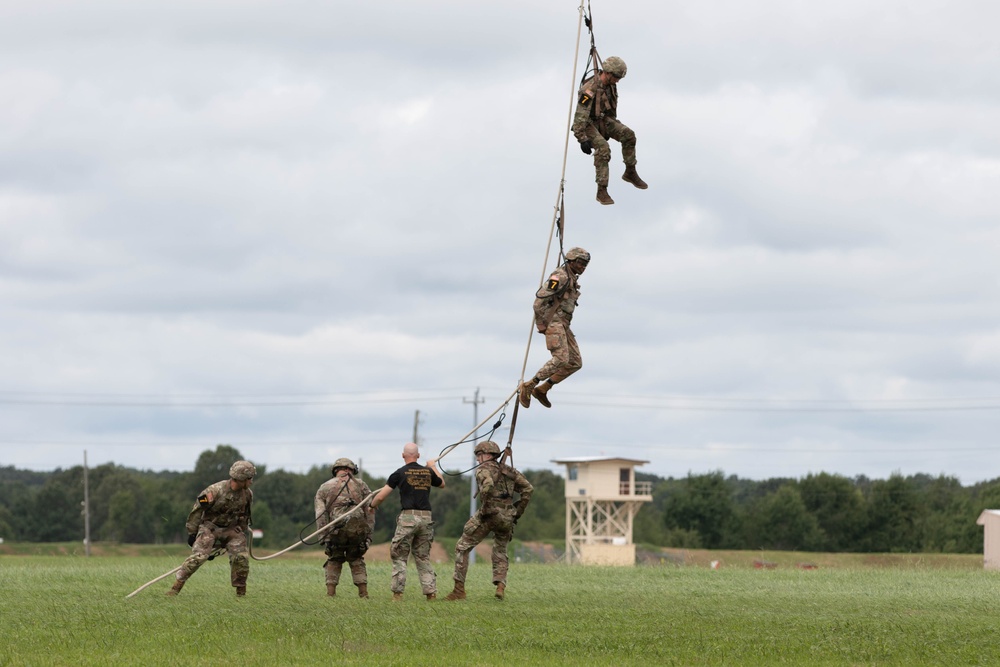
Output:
x=289 y=226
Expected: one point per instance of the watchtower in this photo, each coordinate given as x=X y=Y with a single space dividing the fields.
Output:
x=602 y=498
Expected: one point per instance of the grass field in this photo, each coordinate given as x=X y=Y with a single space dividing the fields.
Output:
x=68 y=610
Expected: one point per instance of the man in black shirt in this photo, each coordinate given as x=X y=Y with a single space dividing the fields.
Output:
x=414 y=525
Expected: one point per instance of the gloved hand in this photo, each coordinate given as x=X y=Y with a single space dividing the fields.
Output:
x=516 y=517
x=586 y=146
x=191 y=539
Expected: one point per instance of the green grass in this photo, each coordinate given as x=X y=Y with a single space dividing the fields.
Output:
x=61 y=610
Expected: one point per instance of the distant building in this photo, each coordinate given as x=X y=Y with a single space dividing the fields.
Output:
x=602 y=499
x=990 y=521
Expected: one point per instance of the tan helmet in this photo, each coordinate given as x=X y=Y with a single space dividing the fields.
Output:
x=615 y=66
x=241 y=471
x=578 y=253
x=347 y=464
x=487 y=447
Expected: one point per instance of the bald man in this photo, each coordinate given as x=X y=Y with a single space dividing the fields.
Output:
x=414 y=525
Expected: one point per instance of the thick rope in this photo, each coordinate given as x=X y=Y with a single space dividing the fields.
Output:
x=217 y=552
x=558 y=221
x=304 y=540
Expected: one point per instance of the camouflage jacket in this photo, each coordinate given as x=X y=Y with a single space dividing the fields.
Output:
x=596 y=101
x=556 y=298
x=221 y=506
x=336 y=498
x=498 y=482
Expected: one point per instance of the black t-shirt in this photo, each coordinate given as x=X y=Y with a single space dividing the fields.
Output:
x=414 y=482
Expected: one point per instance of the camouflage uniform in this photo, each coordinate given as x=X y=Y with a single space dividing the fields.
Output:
x=349 y=540
x=414 y=532
x=596 y=121
x=498 y=482
x=555 y=302
x=220 y=517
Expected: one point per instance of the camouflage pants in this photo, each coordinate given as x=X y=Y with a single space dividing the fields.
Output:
x=235 y=542
x=610 y=128
x=566 y=358
x=346 y=548
x=501 y=524
x=414 y=532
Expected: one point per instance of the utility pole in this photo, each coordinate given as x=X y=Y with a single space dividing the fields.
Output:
x=472 y=481
x=86 y=508
x=416 y=426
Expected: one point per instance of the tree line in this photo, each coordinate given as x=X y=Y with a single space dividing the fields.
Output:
x=820 y=512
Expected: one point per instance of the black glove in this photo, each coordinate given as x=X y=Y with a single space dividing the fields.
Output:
x=191 y=539
x=586 y=146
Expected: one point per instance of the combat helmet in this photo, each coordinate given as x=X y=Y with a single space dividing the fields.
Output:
x=346 y=464
x=241 y=471
x=487 y=447
x=615 y=66
x=578 y=253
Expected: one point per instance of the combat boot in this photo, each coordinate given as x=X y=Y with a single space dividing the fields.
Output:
x=331 y=590
x=632 y=176
x=540 y=392
x=603 y=196
x=524 y=393
x=458 y=593
x=176 y=588
x=501 y=587
x=362 y=590
x=432 y=596
x=397 y=597
x=241 y=591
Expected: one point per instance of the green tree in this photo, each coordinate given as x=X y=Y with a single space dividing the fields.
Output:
x=780 y=520
x=838 y=506
x=894 y=515
x=703 y=506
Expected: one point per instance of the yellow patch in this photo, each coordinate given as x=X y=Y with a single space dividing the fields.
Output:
x=553 y=282
x=585 y=99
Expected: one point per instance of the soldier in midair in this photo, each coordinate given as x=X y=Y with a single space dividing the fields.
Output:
x=596 y=121
x=555 y=302
x=221 y=515
x=348 y=541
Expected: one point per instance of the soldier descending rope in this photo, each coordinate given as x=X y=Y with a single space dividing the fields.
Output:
x=596 y=121
x=555 y=302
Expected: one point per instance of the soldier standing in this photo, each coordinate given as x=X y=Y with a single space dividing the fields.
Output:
x=221 y=515
x=596 y=121
x=414 y=525
x=555 y=302
x=347 y=541
x=498 y=482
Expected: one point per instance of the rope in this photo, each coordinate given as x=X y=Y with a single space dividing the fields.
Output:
x=217 y=552
x=303 y=540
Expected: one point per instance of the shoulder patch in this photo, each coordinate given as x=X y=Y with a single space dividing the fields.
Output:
x=553 y=282
x=205 y=498
x=585 y=98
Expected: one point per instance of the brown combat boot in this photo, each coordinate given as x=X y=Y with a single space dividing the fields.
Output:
x=432 y=596
x=241 y=591
x=631 y=176
x=525 y=391
x=458 y=593
x=501 y=587
x=603 y=196
x=362 y=590
x=331 y=590
x=540 y=392
x=176 y=588
x=397 y=597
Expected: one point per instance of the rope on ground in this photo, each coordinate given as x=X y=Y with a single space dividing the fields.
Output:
x=217 y=552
